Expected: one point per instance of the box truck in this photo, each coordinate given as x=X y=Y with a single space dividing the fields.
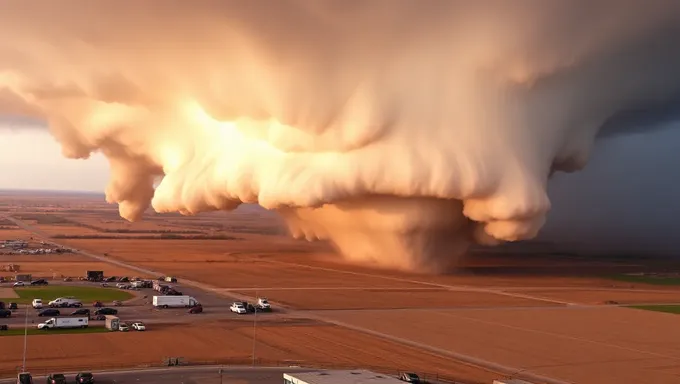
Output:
x=64 y=322
x=174 y=301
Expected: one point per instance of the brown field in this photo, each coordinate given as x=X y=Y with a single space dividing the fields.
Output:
x=66 y=230
x=8 y=293
x=62 y=265
x=65 y=258
x=184 y=250
x=593 y=296
x=226 y=343
x=601 y=345
x=389 y=298
x=235 y=275
x=14 y=234
x=113 y=222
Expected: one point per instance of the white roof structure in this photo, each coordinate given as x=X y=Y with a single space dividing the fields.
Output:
x=359 y=376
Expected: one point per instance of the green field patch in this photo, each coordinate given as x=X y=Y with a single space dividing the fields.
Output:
x=82 y=293
x=651 y=279
x=34 y=331
x=659 y=308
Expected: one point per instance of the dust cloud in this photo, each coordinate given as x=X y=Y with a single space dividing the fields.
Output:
x=403 y=131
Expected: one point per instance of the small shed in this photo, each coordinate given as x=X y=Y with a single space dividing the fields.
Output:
x=112 y=322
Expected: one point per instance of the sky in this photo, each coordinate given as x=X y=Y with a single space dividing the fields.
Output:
x=627 y=196
x=154 y=90
x=31 y=159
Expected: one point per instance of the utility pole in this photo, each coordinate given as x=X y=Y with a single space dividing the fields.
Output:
x=23 y=365
x=254 y=328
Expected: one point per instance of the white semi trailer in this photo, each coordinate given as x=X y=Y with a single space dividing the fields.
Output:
x=174 y=301
x=64 y=322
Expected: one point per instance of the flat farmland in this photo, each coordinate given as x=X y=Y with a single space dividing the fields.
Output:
x=394 y=298
x=113 y=222
x=230 y=343
x=236 y=275
x=244 y=247
x=51 y=258
x=62 y=265
x=467 y=275
x=600 y=345
x=599 y=296
x=14 y=234
x=67 y=230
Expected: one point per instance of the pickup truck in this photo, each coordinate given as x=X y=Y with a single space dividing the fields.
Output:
x=65 y=302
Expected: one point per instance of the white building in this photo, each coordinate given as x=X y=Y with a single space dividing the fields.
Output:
x=359 y=376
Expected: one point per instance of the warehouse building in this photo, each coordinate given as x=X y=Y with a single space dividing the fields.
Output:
x=339 y=377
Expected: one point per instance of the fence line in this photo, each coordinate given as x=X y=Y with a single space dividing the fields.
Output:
x=240 y=362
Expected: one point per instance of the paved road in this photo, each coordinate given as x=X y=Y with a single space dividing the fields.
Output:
x=186 y=375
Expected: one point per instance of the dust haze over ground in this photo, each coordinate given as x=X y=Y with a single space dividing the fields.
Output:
x=401 y=131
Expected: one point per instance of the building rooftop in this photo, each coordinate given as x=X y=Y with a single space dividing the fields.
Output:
x=358 y=376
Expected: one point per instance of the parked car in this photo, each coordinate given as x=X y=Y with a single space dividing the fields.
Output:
x=123 y=286
x=85 y=378
x=238 y=308
x=49 y=312
x=67 y=279
x=106 y=311
x=97 y=304
x=123 y=327
x=37 y=303
x=56 y=378
x=110 y=279
x=18 y=284
x=124 y=279
x=81 y=312
x=117 y=303
x=138 y=326
x=13 y=306
x=196 y=309
x=39 y=282
x=5 y=313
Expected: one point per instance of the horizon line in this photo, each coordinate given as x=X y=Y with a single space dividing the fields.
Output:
x=59 y=191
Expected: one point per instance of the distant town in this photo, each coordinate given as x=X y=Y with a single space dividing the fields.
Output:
x=22 y=247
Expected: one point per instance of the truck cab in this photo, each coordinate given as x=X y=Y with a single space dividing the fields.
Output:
x=65 y=302
x=24 y=378
x=263 y=304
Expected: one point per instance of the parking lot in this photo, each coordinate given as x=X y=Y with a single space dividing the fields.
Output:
x=139 y=308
